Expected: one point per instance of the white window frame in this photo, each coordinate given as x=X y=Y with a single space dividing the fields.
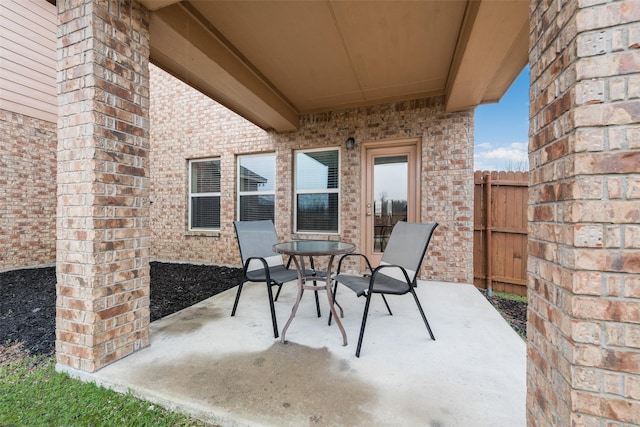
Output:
x=208 y=194
x=256 y=193
x=322 y=191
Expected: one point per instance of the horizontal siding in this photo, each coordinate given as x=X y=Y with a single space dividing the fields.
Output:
x=44 y=67
x=36 y=43
x=25 y=14
x=28 y=106
x=26 y=77
x=28 y=58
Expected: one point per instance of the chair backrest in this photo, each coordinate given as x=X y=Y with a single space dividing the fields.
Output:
x=406 y=247
x=256 y=239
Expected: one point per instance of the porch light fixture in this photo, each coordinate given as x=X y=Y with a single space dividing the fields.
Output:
x=350 y=143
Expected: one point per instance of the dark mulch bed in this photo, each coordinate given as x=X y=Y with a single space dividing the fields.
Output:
x=178 y=286
x=28 y=308
x=28 y=300
x=515 y=312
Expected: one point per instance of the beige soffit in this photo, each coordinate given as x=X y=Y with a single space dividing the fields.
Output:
x=491 y=52
x=271 y=61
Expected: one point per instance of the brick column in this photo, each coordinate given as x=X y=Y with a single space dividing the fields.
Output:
x=103 y=184
x=584 y=233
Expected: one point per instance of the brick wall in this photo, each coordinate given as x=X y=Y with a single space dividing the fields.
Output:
x=103 y=182
x=187 y=125
x=27 y=191
x=584 y=264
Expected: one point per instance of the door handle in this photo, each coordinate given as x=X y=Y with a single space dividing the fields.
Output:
x=368 y=213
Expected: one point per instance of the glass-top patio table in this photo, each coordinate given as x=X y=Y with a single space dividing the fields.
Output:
x=299 y=249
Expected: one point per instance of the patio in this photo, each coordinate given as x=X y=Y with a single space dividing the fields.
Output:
x=231 y=371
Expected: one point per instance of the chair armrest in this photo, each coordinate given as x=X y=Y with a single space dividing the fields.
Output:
x=265 y=266
x=381 y=267
x=350 y=255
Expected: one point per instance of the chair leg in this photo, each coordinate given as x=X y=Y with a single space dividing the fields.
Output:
x=278 y=293
x=387 y=304
x=317 y=301
x=364 y=323
x=313 y=268
x=235 y=304
x=335 y=288
x=273 y=311
x=415 y=297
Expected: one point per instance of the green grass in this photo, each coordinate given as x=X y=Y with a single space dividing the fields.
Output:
x=512 y=297
x=32 y=393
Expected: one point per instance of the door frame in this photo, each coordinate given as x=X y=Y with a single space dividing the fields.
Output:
x=366 y=173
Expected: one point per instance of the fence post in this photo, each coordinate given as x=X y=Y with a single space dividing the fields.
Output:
x=488 y=230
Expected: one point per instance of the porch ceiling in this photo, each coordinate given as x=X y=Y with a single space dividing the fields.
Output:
x=271 y=61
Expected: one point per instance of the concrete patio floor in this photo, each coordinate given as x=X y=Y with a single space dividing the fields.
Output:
x=231 y=371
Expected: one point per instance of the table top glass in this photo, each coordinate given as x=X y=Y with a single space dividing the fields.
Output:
x=314 y=247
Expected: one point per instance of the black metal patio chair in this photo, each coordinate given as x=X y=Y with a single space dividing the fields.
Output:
x=396 y=274
x=262 y=264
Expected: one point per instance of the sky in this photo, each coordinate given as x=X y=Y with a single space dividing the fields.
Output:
x=502 y=129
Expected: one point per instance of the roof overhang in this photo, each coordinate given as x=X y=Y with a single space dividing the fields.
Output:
x=272 y=61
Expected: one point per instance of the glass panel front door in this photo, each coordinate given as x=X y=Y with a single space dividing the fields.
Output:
x=391 y=191
x=390 y=175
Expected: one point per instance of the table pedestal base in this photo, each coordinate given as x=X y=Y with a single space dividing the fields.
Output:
x=302 y=286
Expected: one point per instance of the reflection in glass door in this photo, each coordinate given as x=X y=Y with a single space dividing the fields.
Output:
x=391 y=191
x=389 y=197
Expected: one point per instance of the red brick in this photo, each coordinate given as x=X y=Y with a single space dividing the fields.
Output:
x=632 y=287
x=605 y=309
x=604 y=211
x=103 y=185
x=587 y=187
x=632 y=387
x=31 y=180
x=620 y=162
x=623 y=410
x=610 y=359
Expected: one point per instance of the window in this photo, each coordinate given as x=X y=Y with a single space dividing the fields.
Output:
x=204 y=194
x=256 y=187
x=317 y=190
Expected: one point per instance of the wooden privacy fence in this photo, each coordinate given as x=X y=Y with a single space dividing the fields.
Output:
x=500 y=231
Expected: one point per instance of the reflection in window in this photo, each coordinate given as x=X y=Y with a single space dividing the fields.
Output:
x=204 y=194
x=256 y=187
x=390 y=196
x=317 y=188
